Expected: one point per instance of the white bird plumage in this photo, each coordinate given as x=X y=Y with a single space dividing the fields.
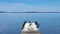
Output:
x=32 y=27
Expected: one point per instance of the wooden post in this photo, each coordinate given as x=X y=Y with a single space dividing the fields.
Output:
x=31 y=32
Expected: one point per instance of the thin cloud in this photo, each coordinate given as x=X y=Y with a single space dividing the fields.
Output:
x=19 y=7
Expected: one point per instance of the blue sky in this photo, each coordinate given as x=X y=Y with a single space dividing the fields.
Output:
x=29 y=5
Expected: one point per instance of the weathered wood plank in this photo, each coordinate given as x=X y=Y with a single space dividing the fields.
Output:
x=31 y=32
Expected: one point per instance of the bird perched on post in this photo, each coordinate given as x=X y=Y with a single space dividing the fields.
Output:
x=28 y=26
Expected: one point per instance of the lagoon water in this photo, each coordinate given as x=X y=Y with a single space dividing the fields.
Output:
x=11 y=23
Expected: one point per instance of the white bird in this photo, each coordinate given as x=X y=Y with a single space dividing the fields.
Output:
x=30 y=26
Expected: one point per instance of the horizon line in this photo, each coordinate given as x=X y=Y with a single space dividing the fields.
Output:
x=29 y=12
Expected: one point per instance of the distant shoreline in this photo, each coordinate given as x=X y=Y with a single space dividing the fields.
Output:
x=29 y=12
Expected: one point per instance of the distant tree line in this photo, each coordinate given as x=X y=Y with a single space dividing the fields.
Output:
x=29 y=12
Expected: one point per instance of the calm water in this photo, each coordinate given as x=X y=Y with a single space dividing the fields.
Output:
x=11 y=23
